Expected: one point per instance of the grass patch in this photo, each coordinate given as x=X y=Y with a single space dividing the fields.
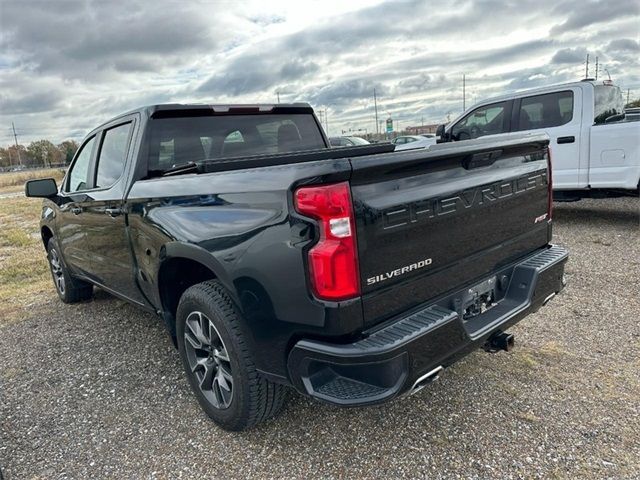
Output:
x=14 y=179
x=24 y=273
x=526 y=360
x=14 y=237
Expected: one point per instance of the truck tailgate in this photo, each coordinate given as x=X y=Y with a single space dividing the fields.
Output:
x=432 y=221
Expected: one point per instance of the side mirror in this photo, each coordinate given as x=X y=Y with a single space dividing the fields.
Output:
x=441 y=135
x=41 y=188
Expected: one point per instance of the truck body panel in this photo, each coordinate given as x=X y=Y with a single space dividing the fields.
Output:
x=449 y=234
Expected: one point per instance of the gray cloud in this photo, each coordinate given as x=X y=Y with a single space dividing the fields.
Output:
x=79 y=38
x=569 y=55
x=36 y=102
x=591 y=12
x=252 y=73
x=344 y=92
x=87 y=60
x=624 y=44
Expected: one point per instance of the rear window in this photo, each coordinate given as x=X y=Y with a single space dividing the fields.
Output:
x=177 y=141
x=608 y=102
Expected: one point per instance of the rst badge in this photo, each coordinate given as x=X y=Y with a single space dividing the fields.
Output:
x=541 y=218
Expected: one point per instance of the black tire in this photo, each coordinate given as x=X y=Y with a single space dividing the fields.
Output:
x=70 y=289
x=235 y=395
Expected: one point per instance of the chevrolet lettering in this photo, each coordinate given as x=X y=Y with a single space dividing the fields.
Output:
x=455 y=203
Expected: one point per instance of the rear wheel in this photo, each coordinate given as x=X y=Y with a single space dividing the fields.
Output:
x=218 y=363
x=70 y=289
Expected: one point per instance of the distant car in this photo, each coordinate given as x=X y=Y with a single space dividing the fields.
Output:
x=408 y=142
x=347 y=141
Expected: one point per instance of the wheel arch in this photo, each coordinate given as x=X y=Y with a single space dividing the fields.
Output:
x=182 y=266
x=46 y=235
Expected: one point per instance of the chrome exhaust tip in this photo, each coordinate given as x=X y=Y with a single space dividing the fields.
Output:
x=426 y=379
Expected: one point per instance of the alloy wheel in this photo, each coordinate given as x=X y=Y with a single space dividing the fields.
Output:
x=56 y=270
x=208 y=360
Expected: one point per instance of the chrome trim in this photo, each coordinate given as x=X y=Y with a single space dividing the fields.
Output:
x=435 y=373
x=549 y=297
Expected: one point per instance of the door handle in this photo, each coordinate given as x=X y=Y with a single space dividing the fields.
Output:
x=76 y=210
x=562 y=140
x=113 y=212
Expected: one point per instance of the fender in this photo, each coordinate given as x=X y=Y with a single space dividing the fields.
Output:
x=200 y=255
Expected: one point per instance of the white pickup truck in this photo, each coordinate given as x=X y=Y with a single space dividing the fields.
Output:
x=590 y=157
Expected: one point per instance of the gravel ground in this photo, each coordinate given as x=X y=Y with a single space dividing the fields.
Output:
x=96 y=390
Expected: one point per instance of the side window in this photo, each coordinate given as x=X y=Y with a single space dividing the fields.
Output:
x=113 y=154
x=486 y=120
x=545 y=111
x=77 y=179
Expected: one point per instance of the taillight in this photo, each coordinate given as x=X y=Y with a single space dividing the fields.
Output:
x=549 y=184
x=333 y=261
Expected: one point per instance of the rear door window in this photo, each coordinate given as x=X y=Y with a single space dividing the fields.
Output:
x=545 y=111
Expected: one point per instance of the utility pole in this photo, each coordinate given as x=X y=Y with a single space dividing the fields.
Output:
x=464 y=93
x=628 y=90
x=278 y=94
x=596 y=68
x=375 y=105
x=326 y=119
x=15 y=137
x=586 y=70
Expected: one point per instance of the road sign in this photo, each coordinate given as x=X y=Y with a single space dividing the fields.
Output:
x=389 y=125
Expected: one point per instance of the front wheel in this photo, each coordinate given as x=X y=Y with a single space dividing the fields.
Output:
x=218 y=363
x=70 y=289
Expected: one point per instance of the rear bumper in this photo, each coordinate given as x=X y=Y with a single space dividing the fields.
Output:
x=389 y=361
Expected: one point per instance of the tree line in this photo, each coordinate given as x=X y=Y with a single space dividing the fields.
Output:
x=40 y=153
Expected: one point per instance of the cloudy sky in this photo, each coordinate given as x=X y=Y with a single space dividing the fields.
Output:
x=66 y=66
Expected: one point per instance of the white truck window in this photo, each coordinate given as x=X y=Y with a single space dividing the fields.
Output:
x=545 y=111
x=486 y=120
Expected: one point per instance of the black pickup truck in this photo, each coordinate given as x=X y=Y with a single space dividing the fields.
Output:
x=354 y=275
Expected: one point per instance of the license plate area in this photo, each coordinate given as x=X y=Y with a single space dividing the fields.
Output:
x=477 y=299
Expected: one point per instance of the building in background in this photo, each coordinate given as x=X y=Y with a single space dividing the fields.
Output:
x=421 y=129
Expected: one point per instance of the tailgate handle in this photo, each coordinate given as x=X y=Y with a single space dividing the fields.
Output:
x=483 y=159
x=562 y=140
